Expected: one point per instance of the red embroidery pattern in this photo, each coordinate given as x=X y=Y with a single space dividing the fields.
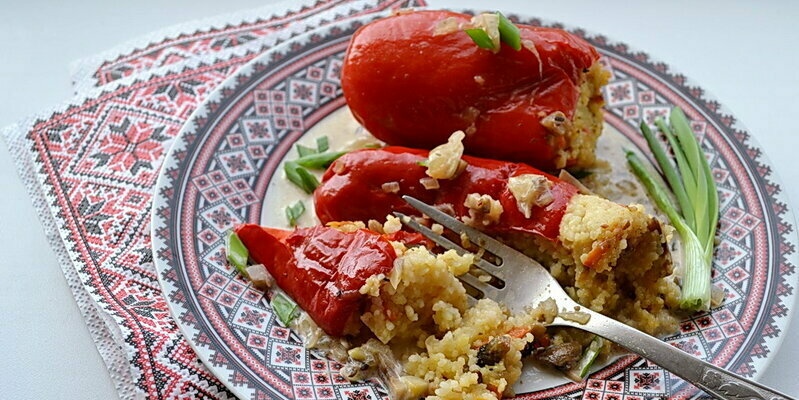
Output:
x=98 y=163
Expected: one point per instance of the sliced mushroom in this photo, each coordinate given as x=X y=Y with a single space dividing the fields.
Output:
x=493 y=351
x=563 y=356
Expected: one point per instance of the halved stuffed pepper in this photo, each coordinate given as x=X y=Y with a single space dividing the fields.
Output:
x=612 y=258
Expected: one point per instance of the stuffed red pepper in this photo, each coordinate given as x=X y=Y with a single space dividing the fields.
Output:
x=592 y=245
x=414 y=78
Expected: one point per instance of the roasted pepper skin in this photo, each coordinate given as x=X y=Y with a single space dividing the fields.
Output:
x=412 y=87
x=352 y=189
x=321 y=268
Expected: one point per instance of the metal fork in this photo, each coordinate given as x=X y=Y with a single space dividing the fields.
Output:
x=523 y=283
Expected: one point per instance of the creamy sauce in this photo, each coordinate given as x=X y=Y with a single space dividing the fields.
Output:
x=343 y=133
x=611 y=178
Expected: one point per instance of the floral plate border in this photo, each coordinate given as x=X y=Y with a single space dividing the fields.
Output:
x=220 y=166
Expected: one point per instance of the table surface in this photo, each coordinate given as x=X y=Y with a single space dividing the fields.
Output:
x=743 y=53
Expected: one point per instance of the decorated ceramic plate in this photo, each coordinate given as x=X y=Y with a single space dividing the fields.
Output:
x=225 y=168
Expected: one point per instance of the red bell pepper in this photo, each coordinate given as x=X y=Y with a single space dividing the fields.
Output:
x=411 y=86
x=322 y=268
x=352 y=189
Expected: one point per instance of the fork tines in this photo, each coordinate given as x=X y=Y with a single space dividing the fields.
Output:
x=474 y=286
x=477 y=237
x=498 y=274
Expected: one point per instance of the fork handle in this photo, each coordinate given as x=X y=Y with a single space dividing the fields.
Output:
x=713 y=380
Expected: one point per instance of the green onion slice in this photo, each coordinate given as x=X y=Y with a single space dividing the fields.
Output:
x=481 y=38
x=294 y=212
x=309 y=181
x=322 y=144
x=509 y=33
x=237 y=253
x=319 y=160
x=589 y=356
x=300 y=177
x=304 y=151
x=285 y=309
x=290 y=168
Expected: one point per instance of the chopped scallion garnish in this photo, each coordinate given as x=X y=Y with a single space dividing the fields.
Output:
x=322 y=144
x=237 y=254
x=285 y=309
x=480 y=38
x=692 y=183
x=305 y=151
x=589 y=356
x=483 y=32
x=319 y=160
x=294 y=212
x=300 y=176
x=309 y=181
x=509 y=33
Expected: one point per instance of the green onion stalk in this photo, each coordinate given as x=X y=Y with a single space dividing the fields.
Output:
x=696 y=214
